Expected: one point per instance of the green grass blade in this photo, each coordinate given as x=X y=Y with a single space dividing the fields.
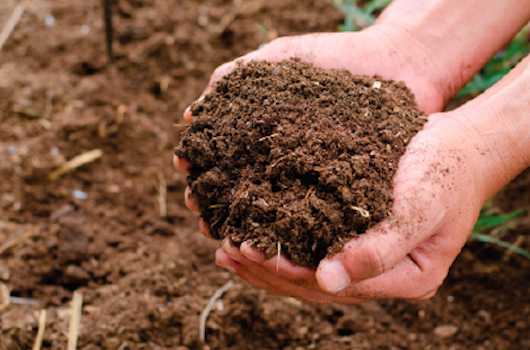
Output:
x=499 y=65
x=489 y=222
x=489 y=239
x=356 y=17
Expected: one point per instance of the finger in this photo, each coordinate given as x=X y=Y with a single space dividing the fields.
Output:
x=254 y=272
x=281 y=266
x=225 y=261
x=181 y=164
x=415 y=218
x=417 y=277
x=191 y=203
x=187 y=114
x=203 y=226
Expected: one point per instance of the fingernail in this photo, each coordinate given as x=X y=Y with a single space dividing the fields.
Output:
x=229 y=250
x=334 y=277
x=250 y=253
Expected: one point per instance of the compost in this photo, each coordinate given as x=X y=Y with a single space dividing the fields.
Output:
x=295 y=157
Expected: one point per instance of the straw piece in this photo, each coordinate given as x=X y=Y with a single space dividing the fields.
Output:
x=6 y=296
x=11 y=24
x=75 y=320
x=76 y=162
x=204 y=315
x=162 y=194
x=10 y=244
x=40 y=333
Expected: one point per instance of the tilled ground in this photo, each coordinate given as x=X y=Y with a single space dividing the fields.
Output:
x=101 y=229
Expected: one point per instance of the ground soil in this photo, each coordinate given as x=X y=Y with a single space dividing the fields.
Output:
x=101 y=229
x=295 y=158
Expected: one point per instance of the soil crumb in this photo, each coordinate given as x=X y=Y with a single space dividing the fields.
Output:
x=293 y=154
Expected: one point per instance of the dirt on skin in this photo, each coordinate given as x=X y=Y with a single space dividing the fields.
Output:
x=292 y=156
x=145 y=277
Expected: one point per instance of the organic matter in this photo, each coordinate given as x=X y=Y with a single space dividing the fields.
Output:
x=293 y=154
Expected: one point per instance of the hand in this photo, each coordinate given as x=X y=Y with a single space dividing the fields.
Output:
x=435 y=207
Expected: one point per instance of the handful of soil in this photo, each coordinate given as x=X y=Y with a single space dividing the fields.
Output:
x=293 y=156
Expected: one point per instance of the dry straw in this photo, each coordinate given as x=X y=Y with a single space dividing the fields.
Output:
x=204 y=315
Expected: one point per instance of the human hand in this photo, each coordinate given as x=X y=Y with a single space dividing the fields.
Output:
x=412 y=239
x=437 y=201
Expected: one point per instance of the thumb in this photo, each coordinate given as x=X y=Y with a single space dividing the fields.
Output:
x=364 y=257
x=380 y=248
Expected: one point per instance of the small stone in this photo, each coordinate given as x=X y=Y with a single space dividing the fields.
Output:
x=445 y=330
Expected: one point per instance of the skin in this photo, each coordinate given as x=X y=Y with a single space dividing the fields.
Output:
x=450 y=169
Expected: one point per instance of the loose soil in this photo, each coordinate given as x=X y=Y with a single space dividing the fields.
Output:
x=293 y=156
x=146 y=277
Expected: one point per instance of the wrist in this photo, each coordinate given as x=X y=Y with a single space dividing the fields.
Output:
x=498 y=123
x=454 y=38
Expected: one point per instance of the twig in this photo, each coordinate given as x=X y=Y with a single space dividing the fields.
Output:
x=11 y=24
x=162 y=194
x=40 y=333
x=75 y=320
x=6 y=296
x=8 y=245
x=75 y=162
x=204 y=314
x=309 y=192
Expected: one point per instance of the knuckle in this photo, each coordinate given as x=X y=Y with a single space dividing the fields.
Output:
x=376 y=259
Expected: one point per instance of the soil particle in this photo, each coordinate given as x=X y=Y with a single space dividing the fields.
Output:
x=293 y=154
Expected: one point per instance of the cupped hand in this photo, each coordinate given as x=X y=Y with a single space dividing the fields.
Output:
x=436 y=200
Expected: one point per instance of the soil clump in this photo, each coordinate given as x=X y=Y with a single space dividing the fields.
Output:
x=297 y=158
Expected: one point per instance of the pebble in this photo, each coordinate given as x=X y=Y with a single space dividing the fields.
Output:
x=445 y=330
x=49 y=21
x=79 y=194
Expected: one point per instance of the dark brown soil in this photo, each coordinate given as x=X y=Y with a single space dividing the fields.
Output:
x=289 y=155
x=145 y=278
